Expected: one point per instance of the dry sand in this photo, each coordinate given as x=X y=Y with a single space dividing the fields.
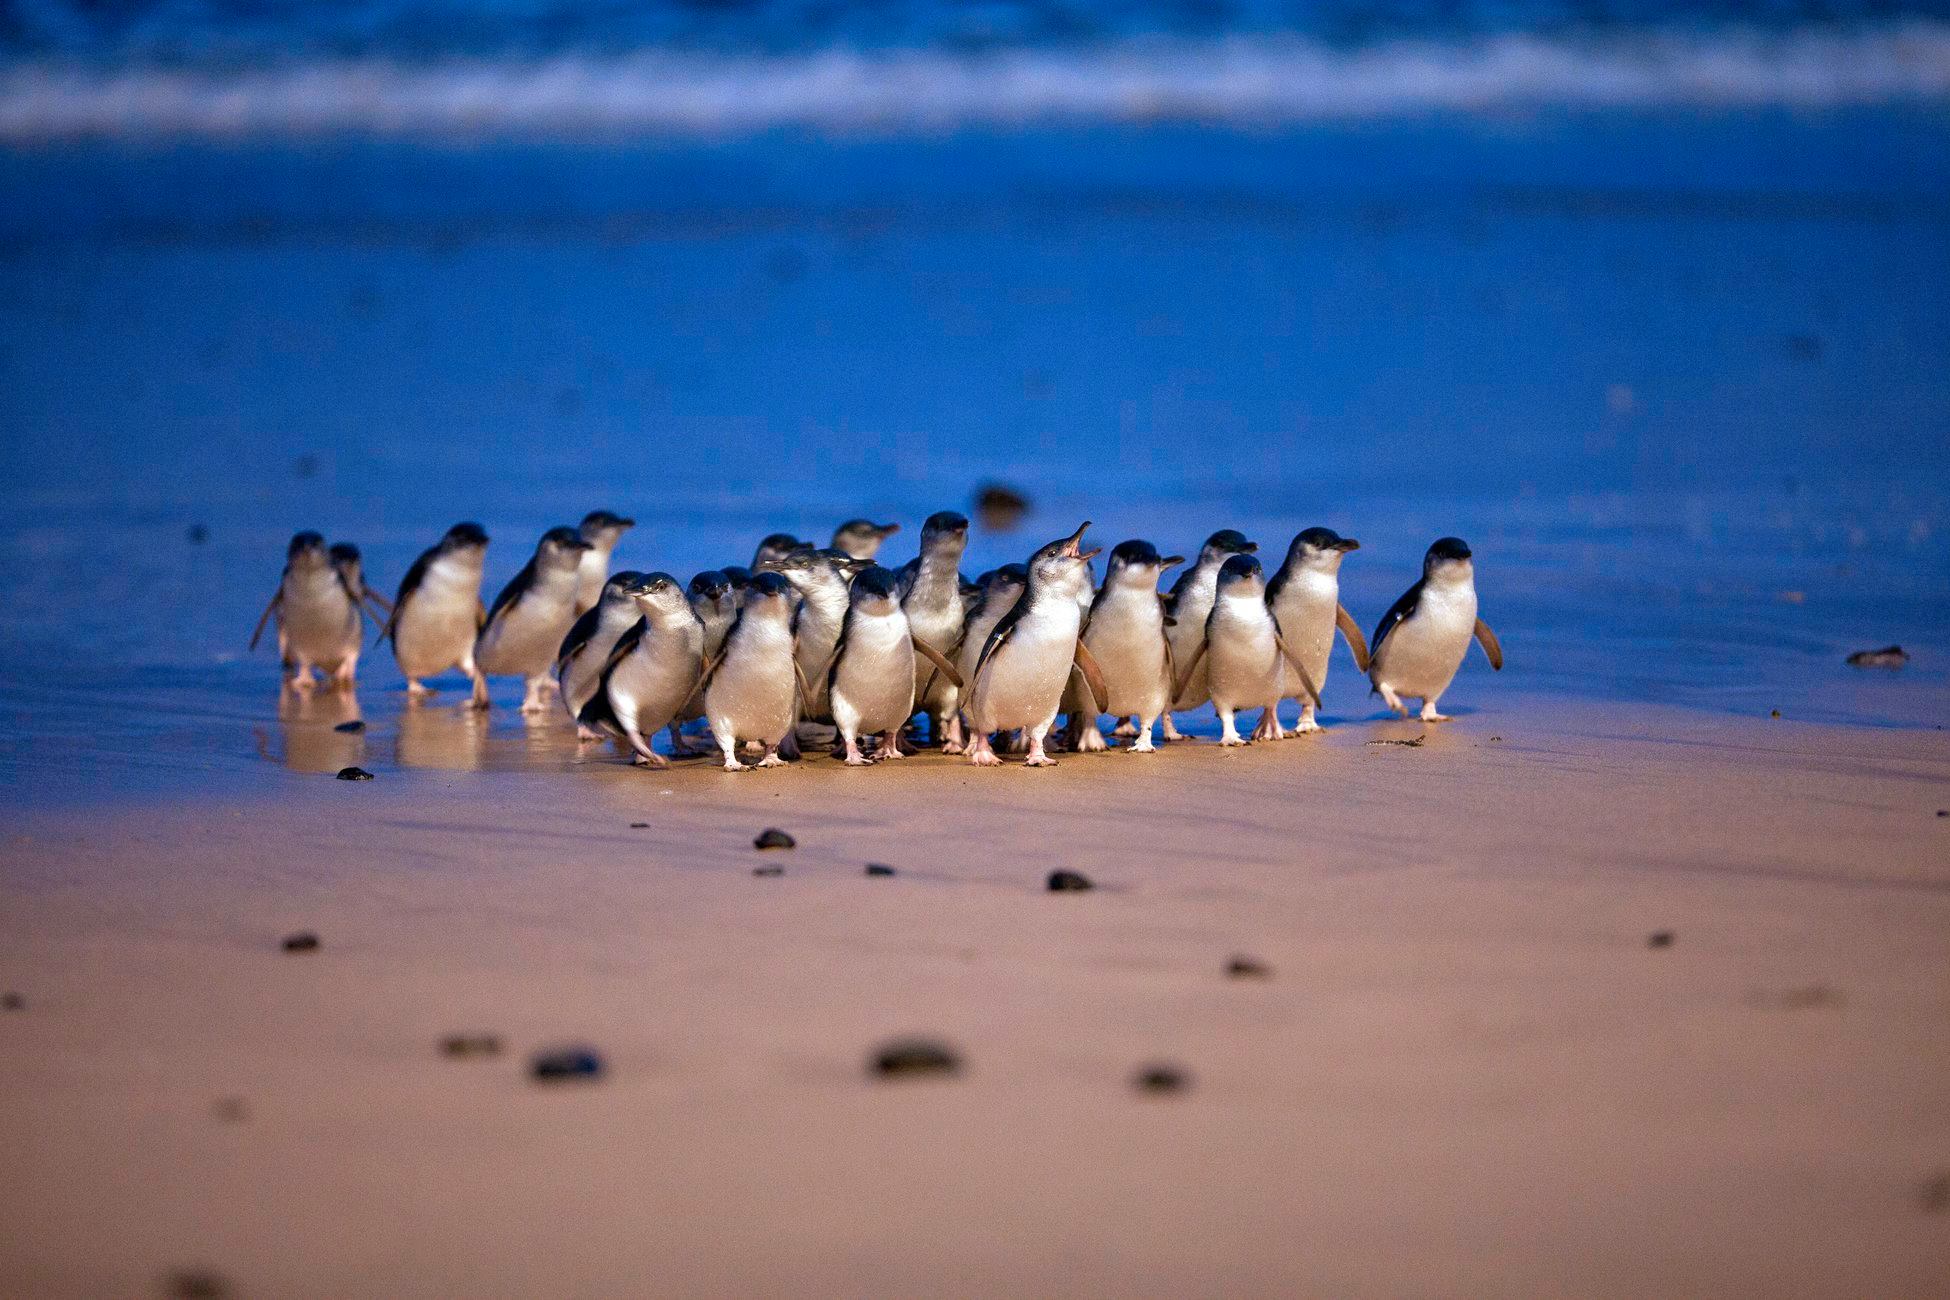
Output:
x=1468 y=1074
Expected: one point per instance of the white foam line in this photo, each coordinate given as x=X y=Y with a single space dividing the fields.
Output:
x=1238 y=81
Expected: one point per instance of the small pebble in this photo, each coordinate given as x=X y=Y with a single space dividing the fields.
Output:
x=351 y=728
x=1659 y=939
x=1247 y=968
x=639 y=826
x=354 y=774
x=915 y=1056
x=565 y=1064
x=879 y=869
x=1943 y=812
x=1773 y=713
x=1065 y=882
x=768 y=871
x=12 y=1002
x=195 y=1284
x=1935 y=1194
x=232 y=1110
x=1161 y=1078
x=303 y=941
x=773 y=838
x=461 y=1045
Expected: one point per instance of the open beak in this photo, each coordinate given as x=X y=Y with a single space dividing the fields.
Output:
x=1073 y=544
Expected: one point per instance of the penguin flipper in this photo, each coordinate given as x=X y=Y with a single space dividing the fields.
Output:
x=1306 y=678
x=1400 y=610
x=940 y=662
x=1184 y=679
x=378 y=600
x=277 y=599
x=805 y=687
x=1000 y=633
x=1093 y=676
x=1171 y=667
x=1491 y=646
x=1352 y=631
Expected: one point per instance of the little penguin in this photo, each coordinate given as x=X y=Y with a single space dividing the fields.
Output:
x=1027 y=659
x=654 y=669
x=751 y=688
x=1188 y=605
x=1127 y=635
x=351 y=566
x=319 y=616
x=1305 y=597
x=861 y=538
x=738 y=576
x=821 y=584
x=930 y=591
x=602 y=529
x=1246 y=660
x=437 y=613
x=714 y=599
x=585 y=650
x=528 y=620
x=1421 y=640
x=999 y=590
x=775 y=547
x=871 y=682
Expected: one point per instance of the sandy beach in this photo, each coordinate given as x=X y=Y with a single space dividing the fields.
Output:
x=1469 y=1070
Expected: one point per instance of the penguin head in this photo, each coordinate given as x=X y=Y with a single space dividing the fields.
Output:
x=344 y=556
x=1448 y=561
x=944 y=529
x=803 y=567
x=861 y=538
x=1063 y=566
x=659 y=595
x=711 y=585
x=737 y=575
x=1136 y=563
x=1241 y=575
x=1319 y=548
x=306 y=551
x=602 y=528
x=464 y=537
x=1227 y=541
x=774 y=547
x=1010 y=577
x=768 y=592
x=560 y=548
x=848 y=567
x=876 y=590
x=618 y=590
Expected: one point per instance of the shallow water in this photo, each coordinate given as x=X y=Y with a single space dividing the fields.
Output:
x=1678 y=380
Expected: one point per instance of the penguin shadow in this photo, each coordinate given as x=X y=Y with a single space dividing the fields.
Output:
x=308 y=739
x=441 y=737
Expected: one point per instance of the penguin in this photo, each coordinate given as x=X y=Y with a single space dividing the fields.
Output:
x=1421 y=641
x=775 y=547
x=999 y=590
x=714 y=599
x=1245 y=658
x=821 y=585
x=1127 y=634
x=585 y=650
x=351 y=566
x=654 y=669
x=602 y=530
x=751 y=688
x=930 y=591
x=738 y=576
x=320 y=619
x=1027 y=659
x=861 y=538
x=528 y=620
x=1305 y=597
x=871 y=681
x=437 y=613
x=1188 y=605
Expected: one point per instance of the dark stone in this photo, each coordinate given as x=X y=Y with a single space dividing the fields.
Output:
x=879 y=869
x=566 y=1064
x=463 y=1045
x=303 y=941
x=1659 y=939
x=1943 y=812
x=231 y=1110
x=1161 y=1078
x=12 y=1002
x=1248 y=968
x=351 y=728
x=1890 y=656
x=768 y=871
x=773 y=838
x=195 y=1284
x=1935 y=1194
x=354 y=774
x=639 y=826
x=908 y=1057
x=1773 y=713
x=1067 y=882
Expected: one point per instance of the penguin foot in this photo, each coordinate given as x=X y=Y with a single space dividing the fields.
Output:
x=1430 y=715
x=982 y=754
x=733 y=765
x=1038 y=759
x=1306 y=727
x=953 y=747
x=1091 y=741
x=653 y=761
x=1125 y=729
x=586 y=734
x=1143 y=746
x=857 y=760
x=1170 y=729
x=771 y=759
x=416 y=690
x=1231 y=741
x=889 y=747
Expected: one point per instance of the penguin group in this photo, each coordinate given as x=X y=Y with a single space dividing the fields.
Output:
x=812 y=645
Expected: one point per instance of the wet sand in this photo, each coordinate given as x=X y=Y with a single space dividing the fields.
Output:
x=1469 y=1072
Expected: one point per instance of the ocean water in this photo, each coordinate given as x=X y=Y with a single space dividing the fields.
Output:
x=1649 y=304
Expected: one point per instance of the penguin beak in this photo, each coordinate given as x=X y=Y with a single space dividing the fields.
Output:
x=1249 y=548
x=1073 y=544
x=887 y=530
x=1170 y=562
x=1347 y=544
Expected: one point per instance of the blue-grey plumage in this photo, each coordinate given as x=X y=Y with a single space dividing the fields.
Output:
x=1126 y=633
x=1420 y=642
x=584 y=652
x=871 y=683
x=861 y=538
x=653 y=671
x=930 y=592
x=1242 y=652
x=602 y=529
x=526 y=623
x=1188 y=605
x=318 y=615
x=1305 y=597
x=752 y=687
x=1020 y=674
x=437 y=613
